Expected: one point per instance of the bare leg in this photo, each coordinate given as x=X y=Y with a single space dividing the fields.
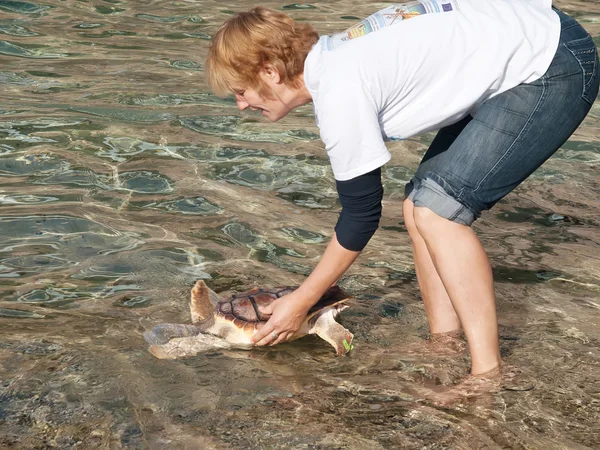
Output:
x=440 y=312
x=465 y=271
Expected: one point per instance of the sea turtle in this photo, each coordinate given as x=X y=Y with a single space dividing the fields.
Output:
x=220 y=323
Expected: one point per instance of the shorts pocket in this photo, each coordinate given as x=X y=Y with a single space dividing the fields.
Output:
x=585 y=52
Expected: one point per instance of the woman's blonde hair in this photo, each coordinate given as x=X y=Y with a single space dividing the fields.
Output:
x=249 y=41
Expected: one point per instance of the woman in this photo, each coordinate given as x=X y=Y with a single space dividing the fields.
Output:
x=505 y=82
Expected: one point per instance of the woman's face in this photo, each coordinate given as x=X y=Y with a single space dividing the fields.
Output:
x=273 y=108
x=250 y=98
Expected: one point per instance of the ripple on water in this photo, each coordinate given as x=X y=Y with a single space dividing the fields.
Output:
x=580 y=151
x=229 y=153
x=396 y=177
x=10 y=49
x=80 y=178
x=17 y=266
x=102 y=9
x=298 y=6
x=15 y=78
x=186 y=260
x=41 y=123
x=519 y=275
x=45 y=74
x=106 y=271
x=137 y=301
x=588 y=17
x=53 y=296
x=241 y=129
x=304 y=181
x=263 y=250
x=241 y=233
x=122 y=148
x=16 y=30
x=32 y=165
x=304 y=236
x=19 y=314
x=245 y=235
x=15 y=135
x=174 y=99
x=183 y=205
x=145 y=182
x=64 y=235
x=23 y=131
x=126 y=115
x=88 y=26
x=139 y=182
x=6 y=149
x=107 y=34
x=169 y=19
x=25 y=199
x=303 y=195
x=202 y=36
x=223 y=153
x=549 y=175
x=540 y=216
x=185 y=64
x=22 y=7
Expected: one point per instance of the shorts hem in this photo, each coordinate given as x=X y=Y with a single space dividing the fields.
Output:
x=432 y=195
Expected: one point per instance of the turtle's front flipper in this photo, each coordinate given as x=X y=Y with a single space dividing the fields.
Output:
x=188 y=346
x=328 y=329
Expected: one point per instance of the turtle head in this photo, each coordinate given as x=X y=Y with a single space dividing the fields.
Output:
x=203 y=302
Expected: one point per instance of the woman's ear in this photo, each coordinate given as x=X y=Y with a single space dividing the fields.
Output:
x=270 y=74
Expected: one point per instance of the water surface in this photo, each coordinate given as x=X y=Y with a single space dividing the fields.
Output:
x=123 y=180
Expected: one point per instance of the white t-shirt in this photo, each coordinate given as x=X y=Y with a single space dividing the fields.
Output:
x=389 y=77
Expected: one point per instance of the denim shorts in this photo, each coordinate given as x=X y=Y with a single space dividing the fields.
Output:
x=473 y=163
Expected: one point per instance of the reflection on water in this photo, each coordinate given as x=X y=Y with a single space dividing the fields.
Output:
x=123 y=180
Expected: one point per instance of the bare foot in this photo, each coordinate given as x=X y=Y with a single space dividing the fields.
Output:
x=450 y=343
x=502 y=378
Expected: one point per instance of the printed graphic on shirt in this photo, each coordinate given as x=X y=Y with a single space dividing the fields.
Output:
x=389 y=16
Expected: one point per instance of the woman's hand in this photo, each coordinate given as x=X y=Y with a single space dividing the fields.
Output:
x=287 y=314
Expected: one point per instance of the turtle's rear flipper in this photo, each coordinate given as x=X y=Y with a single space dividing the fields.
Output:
x=188 y=346
x=163 y=332
x=328 y=329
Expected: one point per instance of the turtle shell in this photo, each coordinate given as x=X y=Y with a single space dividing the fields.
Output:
x=250 y=306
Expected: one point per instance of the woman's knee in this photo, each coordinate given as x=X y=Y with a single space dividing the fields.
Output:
x=429 y=224
x=407 y=212
x=425 y=220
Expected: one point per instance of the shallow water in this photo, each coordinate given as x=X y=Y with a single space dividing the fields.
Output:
x=123 y=180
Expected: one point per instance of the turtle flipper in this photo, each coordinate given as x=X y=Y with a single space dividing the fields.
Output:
x=202 y=302
x=188 y=346
x=326 y=327
x=163 y=332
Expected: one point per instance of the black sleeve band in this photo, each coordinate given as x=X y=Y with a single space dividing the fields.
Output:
x=360 y=198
